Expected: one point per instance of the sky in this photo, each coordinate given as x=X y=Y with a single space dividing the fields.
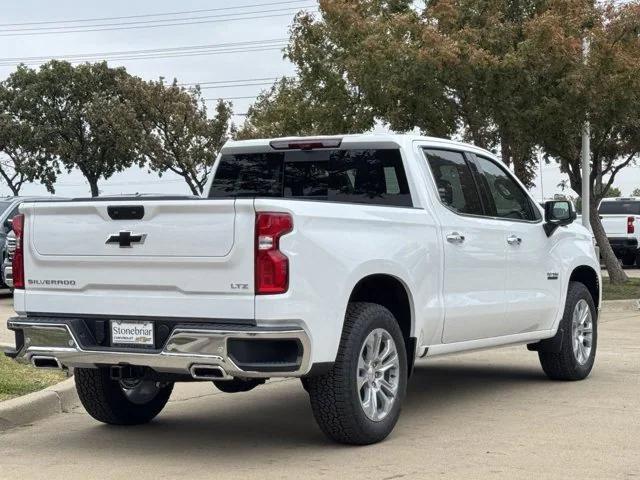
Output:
x=221 y=22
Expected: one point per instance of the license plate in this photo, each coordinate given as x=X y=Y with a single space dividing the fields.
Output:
x=132 y=334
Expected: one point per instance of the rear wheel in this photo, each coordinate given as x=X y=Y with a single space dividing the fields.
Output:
x=120 y=402
x=579 y=331
x=358 y=401
x=629 y=259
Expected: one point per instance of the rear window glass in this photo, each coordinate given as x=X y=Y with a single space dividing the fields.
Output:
x=620 y=208
x=353 y=176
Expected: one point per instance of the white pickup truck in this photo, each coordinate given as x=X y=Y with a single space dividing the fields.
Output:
x=339 y=260
x=621 y=222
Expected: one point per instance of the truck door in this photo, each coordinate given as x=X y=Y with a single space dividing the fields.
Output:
x=474 y=251
x=533 y=282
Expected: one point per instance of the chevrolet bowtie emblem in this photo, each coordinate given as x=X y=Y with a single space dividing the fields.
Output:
x=125 y=239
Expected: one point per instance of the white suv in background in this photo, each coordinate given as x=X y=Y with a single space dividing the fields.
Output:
x=338 y=260
x=621 y=221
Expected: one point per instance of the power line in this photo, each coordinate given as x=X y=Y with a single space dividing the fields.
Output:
x=227 y=81
x=146 y=51
x=9 y=33
x=164 y=14
x=142 y=23
x=256 y=48
x=229 y=98
x=214 y=87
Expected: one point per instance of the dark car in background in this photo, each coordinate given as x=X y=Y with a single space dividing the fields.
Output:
x=8 y=210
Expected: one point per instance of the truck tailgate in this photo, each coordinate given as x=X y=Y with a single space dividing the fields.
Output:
x=616 y=225
x=153 y=258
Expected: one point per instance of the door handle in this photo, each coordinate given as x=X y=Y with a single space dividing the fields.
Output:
x=514 y=240
x=455 y=237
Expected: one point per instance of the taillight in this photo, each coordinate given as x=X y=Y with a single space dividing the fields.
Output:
x=272 y=266
x=630 y=226
x=17 y=263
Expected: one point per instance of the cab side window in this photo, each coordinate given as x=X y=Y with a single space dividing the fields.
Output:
x=454 y=180
x=506 y=198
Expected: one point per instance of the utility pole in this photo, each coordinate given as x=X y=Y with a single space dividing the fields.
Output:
x=541 y=182
x=586 y=154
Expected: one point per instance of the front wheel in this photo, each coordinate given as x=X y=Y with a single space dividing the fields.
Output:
x=358 y=401
x=579 y=331
x=120 y=402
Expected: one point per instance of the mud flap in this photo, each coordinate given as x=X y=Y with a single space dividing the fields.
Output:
x=551 y=345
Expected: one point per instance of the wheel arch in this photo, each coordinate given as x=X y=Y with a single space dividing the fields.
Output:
x=392 y=293
x=590 y=279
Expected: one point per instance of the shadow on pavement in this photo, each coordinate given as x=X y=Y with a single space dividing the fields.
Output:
x=280 y=415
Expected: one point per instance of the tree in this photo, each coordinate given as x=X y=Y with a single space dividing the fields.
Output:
x=82 y=115
x=636 y=192
x=307 y=107
x=563 y=184
x=178 y=135
x=603 y=90
x=506 y=75
x=23 y=157
x=445 y=69
x=613 y=192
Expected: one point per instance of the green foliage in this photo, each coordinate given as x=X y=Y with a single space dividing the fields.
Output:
x=178 y=136
x=313 y=108
x=613 y=192
x=23 y=157
x=83 y=118
x=636 y=192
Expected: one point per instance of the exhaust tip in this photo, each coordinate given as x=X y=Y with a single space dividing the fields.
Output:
x=45 y=362
x=208 y=372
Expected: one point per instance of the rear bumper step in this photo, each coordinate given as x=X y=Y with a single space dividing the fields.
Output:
x=199 y=351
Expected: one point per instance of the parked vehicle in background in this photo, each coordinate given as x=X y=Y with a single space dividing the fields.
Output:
x=9 y=209
x=621 y=221
x=7 y=257
x=338 y=260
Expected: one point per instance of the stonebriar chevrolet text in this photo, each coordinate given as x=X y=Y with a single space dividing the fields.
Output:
x=338 y=260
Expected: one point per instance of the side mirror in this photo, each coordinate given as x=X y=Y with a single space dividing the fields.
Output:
x=8 y=224
x=558 y=213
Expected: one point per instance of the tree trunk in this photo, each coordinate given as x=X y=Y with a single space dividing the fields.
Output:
x=192 y=185
x=616 y=274
x=94 y=187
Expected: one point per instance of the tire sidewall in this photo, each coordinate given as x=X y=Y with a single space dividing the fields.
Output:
x=577 y=291
x=369 y=320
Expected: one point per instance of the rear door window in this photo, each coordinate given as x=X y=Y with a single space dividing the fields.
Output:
x=454 y=180
x=372 y=176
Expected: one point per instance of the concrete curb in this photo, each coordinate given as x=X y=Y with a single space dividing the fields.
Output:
x=5 y=347
x=59 y=398
x=632 y=305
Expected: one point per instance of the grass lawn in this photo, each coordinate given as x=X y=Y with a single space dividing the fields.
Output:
x=17 y=379
x=631 y=289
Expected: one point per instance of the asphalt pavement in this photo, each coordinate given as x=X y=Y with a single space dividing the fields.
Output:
x=489 y=414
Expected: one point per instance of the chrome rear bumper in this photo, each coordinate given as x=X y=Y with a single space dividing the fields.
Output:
x=185 y=348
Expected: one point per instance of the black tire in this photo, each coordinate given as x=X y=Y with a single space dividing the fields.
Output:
x=237 y=384
x=106 y=401
x=305 y=383
x=629 y=259
x=564 y=365
x=334 y=396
